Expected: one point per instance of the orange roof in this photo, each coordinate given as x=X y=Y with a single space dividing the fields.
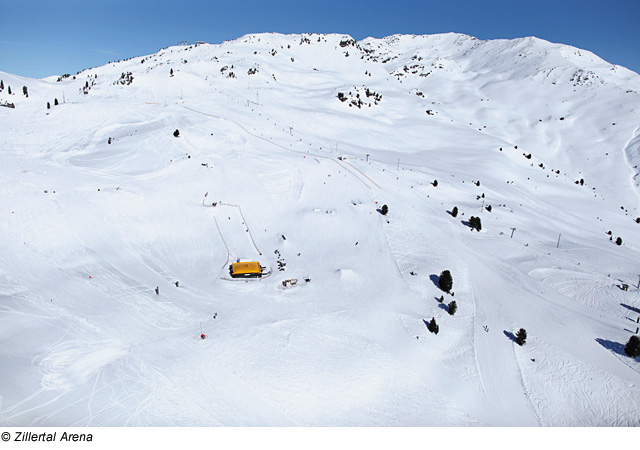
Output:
x=245 y=267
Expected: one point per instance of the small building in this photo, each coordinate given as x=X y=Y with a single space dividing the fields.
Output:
x=246 y=269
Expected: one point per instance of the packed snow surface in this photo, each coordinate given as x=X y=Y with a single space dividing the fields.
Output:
x=117 y=236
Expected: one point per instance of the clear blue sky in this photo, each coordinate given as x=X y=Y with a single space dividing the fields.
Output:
x=39 y=38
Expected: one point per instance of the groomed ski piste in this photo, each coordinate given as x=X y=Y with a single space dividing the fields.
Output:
x=113 y=261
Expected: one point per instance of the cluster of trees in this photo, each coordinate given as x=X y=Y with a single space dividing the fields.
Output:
x=25 y=92
x=55 y=102
x=347 y=42
x=445 y=282
x=357 y=100
x=125 y=79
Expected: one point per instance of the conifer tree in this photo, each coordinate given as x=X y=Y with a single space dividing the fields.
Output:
x=521 y=336
x=384 y=210
x=632 y=348
x=433 y=326
x=452 y=307
x=1 y=85
x=454 y=211
x=445 y=282
x=475 y=223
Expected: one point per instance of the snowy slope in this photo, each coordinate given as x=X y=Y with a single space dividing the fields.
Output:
x=101 y=205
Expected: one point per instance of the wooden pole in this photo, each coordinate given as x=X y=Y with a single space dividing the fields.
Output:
x=512 y=231
x=558 y=245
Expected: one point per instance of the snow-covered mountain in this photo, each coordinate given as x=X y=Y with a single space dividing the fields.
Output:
x=114 y=259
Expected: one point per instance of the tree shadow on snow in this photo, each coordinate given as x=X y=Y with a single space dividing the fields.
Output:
x=615 y=347
x=466 y=223
x=435 y=279
x=632 y=308
x=443 y=306
x=510 y=335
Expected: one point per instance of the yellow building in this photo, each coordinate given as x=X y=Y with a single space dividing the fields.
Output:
x=246 y=269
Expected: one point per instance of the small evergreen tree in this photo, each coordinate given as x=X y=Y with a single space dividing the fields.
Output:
x=1 y=85
x=24 y=91
x=454 y=211
x=452 y=307
x=619 y=241
x=475 y=223
x=632 y=348
x=384 y=210
x=435 y=183
x=176 y=133
x=55 y=102
x=48 y=105
x=433 y=326
x=521 y=336
x=9 y=90
x=445 y=282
